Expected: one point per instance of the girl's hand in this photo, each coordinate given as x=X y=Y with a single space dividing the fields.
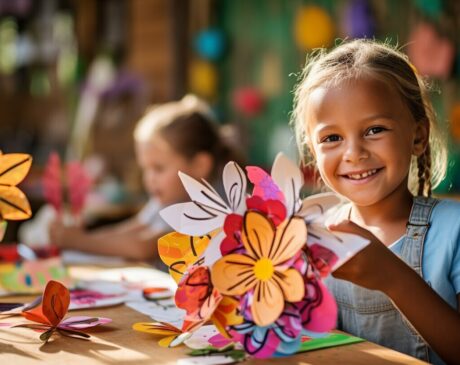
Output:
x=64 y=236
x=371 y=266
x=376 y=267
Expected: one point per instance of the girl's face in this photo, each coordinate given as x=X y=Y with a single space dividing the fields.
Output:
x=160 y=164
x=363 y=136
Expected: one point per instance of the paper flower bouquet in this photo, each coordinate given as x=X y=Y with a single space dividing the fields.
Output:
x=253 y=264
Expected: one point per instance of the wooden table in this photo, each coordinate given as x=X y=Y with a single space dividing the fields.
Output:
x=118 y=343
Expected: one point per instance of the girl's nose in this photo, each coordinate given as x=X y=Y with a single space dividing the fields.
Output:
x=355 y=152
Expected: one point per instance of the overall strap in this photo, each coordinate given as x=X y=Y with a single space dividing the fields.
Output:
x=417 y=227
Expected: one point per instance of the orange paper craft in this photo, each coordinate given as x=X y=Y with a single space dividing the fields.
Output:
x=173 y=336
x=13 y=169
x=226 y=315
x=49 y=313
x=179 y=251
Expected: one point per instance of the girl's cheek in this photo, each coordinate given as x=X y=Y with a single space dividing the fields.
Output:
x=321 y=160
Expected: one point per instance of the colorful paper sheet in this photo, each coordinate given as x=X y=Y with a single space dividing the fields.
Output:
x=30 y=277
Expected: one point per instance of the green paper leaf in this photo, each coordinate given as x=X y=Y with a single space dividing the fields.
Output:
x=229 y=350
x=332 y=340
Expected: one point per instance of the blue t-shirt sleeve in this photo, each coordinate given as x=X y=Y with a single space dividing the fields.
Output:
x=455 y=271
x=441 y=259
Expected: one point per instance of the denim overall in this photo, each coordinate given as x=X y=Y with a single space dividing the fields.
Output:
x=370 y=314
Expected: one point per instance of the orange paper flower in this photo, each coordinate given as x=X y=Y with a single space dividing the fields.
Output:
x=263 y=267
x=226 y=315
x=179 y=251
x=13 y=169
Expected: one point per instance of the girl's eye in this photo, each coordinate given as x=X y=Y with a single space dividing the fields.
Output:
x=331 y=138
x=156 y=169
x=375 y=130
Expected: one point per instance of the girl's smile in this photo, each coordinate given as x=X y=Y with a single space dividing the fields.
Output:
x=361 y=176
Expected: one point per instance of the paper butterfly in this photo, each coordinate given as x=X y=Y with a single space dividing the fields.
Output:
x=173 y=336
x=50 y=311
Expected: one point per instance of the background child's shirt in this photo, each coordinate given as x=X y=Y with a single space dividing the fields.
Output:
x=150 y=216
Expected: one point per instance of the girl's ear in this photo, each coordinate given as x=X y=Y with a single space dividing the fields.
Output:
x=201 y=165
x=421 y=140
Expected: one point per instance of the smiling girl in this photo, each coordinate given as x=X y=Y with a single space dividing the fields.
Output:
x=363 y=116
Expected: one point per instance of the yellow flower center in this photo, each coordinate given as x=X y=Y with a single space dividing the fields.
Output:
x=263 y=269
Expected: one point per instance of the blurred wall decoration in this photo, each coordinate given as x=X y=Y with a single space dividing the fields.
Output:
x=75 y=75
x=269 y=40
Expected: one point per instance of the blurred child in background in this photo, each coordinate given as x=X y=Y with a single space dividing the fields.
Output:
x=175 y=136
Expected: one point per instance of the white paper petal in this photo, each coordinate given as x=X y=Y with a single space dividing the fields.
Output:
x=200 y=337
x=161 y=311
x=289 y=179
x=316 y=205
x=235 y=187
x=205 y=183
x=180 y=339
x=344 y=245
x=203 y=195
x=206 y=360
x=212 y=253
x=193 y=219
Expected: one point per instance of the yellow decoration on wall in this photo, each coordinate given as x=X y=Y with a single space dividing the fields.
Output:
x=271 y=75
x=313 y=28
x=203 y=79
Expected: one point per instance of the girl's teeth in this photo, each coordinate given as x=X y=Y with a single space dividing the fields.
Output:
x=363 y=175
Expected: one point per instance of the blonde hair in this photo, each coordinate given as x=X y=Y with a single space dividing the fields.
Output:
x=158 y=117
x=360 y=58
x=189 y=127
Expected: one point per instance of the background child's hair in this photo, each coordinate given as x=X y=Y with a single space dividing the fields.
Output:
x=359 y=58
x=188 y=125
